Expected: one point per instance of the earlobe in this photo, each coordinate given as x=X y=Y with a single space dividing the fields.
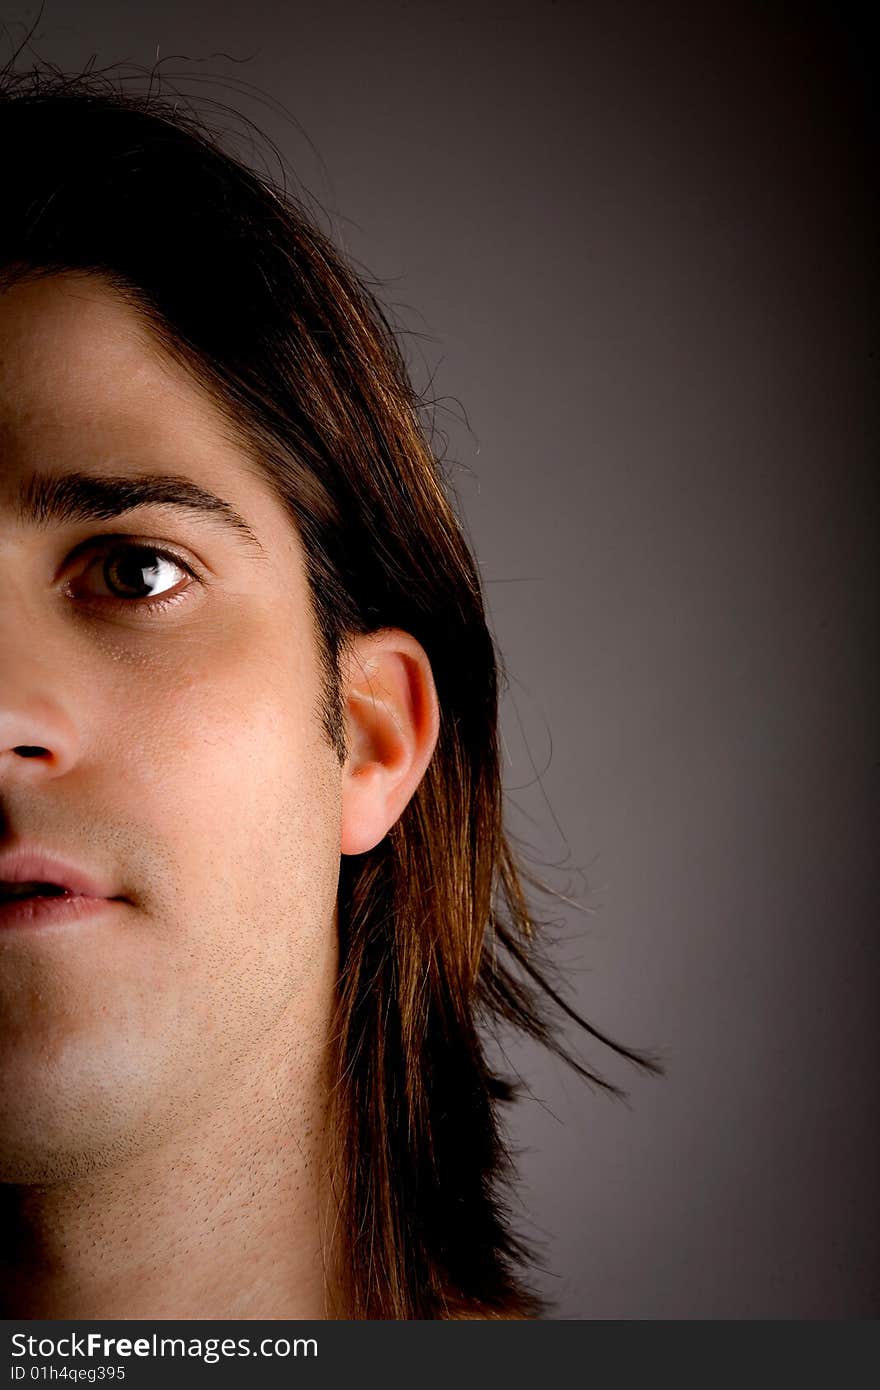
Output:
x=393 y=722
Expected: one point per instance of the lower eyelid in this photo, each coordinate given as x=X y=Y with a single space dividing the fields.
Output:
x=145 y=607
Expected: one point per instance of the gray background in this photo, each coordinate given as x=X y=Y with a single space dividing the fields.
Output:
x=632 y=248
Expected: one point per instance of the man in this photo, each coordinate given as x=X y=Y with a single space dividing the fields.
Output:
x=249 y=780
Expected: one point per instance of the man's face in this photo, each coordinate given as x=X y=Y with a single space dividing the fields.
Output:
x=184 y=758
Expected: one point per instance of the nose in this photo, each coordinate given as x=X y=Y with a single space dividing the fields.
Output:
x=37 y=737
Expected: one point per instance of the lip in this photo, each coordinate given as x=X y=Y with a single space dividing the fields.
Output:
x=24 y=863
x=48 y=912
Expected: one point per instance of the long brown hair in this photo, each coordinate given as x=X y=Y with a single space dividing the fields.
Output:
x=438 y=939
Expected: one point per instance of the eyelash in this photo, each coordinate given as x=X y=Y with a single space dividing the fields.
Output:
x=149 y=607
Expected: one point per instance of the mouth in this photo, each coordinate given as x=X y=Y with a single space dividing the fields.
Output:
x=16 y=892
x=49 y=907
x=30 y=872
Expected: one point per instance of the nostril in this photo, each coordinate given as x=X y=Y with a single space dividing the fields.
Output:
x=28 y=751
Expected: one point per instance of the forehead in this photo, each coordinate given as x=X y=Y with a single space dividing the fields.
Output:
x=84 y=386
x=71 y=347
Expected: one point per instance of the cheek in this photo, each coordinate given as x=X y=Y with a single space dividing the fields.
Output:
x=211 y=705
x=215 y=746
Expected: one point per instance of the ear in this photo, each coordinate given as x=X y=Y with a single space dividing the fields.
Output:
x=392 y=723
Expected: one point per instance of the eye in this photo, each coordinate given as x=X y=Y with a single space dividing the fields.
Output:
x=133 y=575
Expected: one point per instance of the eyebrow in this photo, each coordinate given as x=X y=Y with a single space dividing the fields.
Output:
x=61 y=499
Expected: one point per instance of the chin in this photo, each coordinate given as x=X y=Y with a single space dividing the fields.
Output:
x=23 y=1167
x=47 y=1145
x=33 y=1162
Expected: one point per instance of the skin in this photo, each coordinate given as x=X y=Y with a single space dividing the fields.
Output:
x=164 y=1065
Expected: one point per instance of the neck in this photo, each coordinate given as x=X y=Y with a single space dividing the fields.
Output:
x=226 y=1221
